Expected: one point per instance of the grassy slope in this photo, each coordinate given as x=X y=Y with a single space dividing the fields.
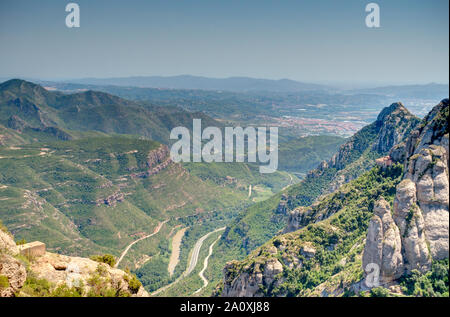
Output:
x=33 y=107
x=304 y=154
x=49 y=192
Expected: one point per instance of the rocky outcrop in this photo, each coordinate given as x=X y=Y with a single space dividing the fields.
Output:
x=283 y=205
x=383 y=244
x=248 y=284
x=401 y=236
x=157 y=156
x=12 y=271
x=75 y=271
x=320 y=210
x=427 y=180
x=15 y=273
x=409 y=220
x=56 y=132
x=393 y=126
x=157 y=160
x=7 y=244
x=16 y=123
x=427 y=169
x=421 y=204
x=111 y=200
x=296 y=219
x=60 y=270
x=395 y=123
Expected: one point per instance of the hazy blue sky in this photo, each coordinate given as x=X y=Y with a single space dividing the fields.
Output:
x=310 y=40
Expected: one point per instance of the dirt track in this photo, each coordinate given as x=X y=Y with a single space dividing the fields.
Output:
x=140 y=239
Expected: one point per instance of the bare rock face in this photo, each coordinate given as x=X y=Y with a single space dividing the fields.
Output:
x=427 y=181
x=308 y=251
x=383 y=244
x=297 y=219
x=248 y=282
x=409 y=220
x=243 y=285
x=157 y=160
x=15 y=273
x=10 y=267
x=73 y=271
x=7 y=243
x=421 y=205
x=111 y=200
x=59 y=270
x=429 y=172
x=395 y=122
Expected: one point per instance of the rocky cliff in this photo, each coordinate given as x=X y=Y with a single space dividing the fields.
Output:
x=417 y=232
x=157 y=160
x=12 y=271
x=329 y=248
x=394 y=216
x=383 y=244
x=51 y=274
x=393 y=125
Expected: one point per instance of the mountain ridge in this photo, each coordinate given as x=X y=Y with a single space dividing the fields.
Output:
x=206 y=83
x=352 y=227
x=90 y=110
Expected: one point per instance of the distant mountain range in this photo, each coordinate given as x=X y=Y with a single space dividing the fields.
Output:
x=240 y=84
x=27 y=107
x=428 y=91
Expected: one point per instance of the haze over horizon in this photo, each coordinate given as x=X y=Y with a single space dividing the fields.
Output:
x=322 y=42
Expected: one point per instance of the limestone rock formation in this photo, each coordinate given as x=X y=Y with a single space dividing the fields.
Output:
x=10 y=268
x=73 y=271
x=400 y=238
x=421 y=204
x=7 y=244
x=394 y=125
x=409 y=220
x=15 y=273
x=424 y=193
x=247 y=284
x=383 y=244
x=157 y=160
x=297 y=219
x=60 y=270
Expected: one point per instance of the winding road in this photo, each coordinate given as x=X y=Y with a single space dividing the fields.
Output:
x=290 y=182
x=158 y=227
x=196 y=250
x=192 y=261
x=205 y=266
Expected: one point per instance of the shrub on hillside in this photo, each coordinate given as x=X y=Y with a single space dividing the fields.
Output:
x=105 y=258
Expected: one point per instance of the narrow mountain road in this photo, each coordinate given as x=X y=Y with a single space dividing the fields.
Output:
x=192 y=261
x=196 y=250
x=249 y=190
x=290 y=182
x=158 y=227
x=205 y=266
